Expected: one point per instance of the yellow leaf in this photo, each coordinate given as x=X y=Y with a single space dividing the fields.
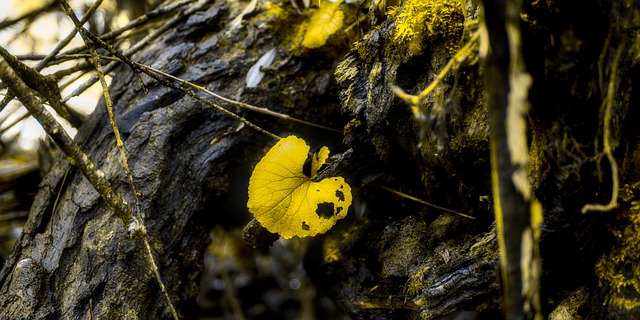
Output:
x=325 y=22
x=318 y=160
x=287 y=202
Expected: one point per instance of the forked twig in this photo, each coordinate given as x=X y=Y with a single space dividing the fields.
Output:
x=45 y=61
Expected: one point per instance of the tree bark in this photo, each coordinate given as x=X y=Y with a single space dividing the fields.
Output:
x=582 y=63
x=392 y=257
x=190 y=164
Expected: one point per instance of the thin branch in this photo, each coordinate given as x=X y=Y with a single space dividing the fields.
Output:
x=28 y=16
x=97 y=41
x=146 y=69
x=45 y=85
x=73 y=80
x=42 y=64
x=69 y=71
x=115 y=34
x=141 y=20
x=412 y=198
x=136 y=67
x=192 y=94
x=149 y=16
x=241 y=104
x=68 y=38
x=75 y=155
x=135 y=48
x=156 y=273
x=112 y=120
x=120 y=145
x=14 y=122
x=606 y=137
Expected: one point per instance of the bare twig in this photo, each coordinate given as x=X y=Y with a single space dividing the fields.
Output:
x=606 y=139
x=151 y=15
x=139 y=67
x=97 y=41
x=135 y=48
x=69 y=71
x=75 y=155
x=192 y=94
x=71 y=54
x=404 y=195
x=73 y=80
x=68 y=38
x=138 y=22
x=156 y=273
x=44 y=62
x=45 y=85
x=90 y=41
x=28 y=16
x=147 y=69
x=14 y=122
x=241 y=104
x=112 y=121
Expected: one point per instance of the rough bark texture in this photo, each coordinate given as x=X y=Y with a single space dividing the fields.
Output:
x=570 y=49
x=391 y=258
x=407 y=260
x=190 y=164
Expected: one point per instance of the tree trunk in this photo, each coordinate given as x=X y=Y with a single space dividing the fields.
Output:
x=392 y=257
x=190 y=165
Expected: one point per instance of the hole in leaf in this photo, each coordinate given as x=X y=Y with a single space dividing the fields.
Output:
x=306 y=168
x=324 y=210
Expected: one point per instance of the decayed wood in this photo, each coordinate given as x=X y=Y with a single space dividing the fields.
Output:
x=404 y=260
x=566 y=170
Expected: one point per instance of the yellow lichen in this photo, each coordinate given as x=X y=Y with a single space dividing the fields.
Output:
x=274 y=10
x=568 y=308
x=621 y=268
x=417 y=19
x=415 y=283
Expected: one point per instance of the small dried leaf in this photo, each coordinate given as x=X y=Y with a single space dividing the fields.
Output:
x=325 y=22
